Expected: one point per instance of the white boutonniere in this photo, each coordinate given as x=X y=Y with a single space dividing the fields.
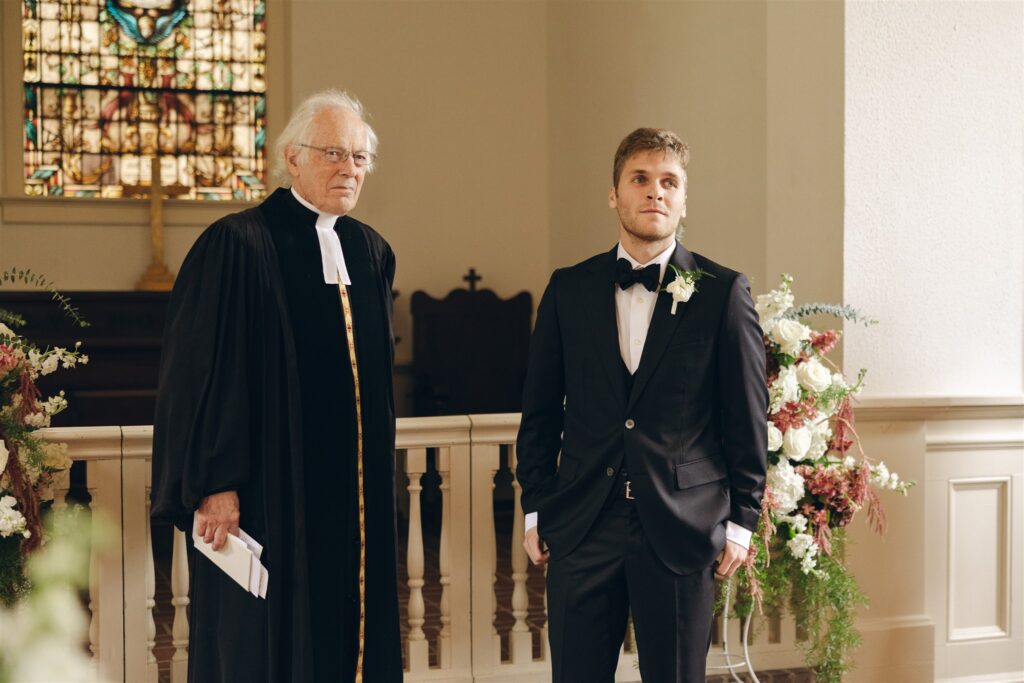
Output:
x=684 y=286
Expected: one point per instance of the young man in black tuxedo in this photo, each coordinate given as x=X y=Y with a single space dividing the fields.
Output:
x=654 y=397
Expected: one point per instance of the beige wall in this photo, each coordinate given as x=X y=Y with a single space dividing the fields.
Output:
x=498 y=122
x=804 y=113
x=456 y=90
x=695 y=67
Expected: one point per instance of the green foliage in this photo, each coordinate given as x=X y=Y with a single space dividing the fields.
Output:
x=11 y=319
x=845 y=312
x=27 y=277
x=690 y=274
x=13 y=584
x=830 y=397
x=825 y=606
x=823 y=603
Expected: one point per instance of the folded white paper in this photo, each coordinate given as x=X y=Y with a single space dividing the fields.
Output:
x=239 y=559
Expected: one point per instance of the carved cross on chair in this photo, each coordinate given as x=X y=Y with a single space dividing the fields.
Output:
x=472 y=278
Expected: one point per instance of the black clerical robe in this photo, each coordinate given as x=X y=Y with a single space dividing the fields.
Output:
x=257 y=394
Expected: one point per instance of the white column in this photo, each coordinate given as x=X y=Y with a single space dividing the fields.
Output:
x=419 y=657
x=520 y=640
x=179 y=599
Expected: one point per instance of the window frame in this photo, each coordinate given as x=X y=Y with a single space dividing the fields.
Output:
x=18 y=208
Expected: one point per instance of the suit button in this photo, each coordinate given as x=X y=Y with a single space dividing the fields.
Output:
x=610 y=471
x=630 y=424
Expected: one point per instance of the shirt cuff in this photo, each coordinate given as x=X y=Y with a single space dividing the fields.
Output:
x=531 y=521
x=738 y=535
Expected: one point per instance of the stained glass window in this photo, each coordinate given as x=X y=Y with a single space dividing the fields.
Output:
x=111 y=83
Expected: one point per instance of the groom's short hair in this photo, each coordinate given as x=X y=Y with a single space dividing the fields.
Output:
x=649 y=140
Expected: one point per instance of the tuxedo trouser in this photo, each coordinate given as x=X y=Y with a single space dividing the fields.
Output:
x=614 y=572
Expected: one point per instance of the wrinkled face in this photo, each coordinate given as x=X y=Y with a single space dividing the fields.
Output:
x=332 y=187
x=651 y=196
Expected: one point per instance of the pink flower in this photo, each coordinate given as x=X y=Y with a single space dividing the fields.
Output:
x=8 y=359
x=824 y=342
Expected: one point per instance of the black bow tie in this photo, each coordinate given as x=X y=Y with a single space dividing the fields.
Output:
x=626 y=276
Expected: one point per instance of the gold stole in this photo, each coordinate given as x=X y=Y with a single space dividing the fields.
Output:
x=346 y=307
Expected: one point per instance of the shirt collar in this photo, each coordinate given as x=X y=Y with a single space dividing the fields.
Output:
x=324 y=219
x=661 y=259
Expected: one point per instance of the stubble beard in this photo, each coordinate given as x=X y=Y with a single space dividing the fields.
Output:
x=641 y=236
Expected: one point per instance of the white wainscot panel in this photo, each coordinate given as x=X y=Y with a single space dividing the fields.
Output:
x=979 y=589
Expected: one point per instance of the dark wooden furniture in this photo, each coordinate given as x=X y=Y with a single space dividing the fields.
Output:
x=118 y=386
x=469 y=352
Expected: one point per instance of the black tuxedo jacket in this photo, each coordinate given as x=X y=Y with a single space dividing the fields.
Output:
x=692 y=431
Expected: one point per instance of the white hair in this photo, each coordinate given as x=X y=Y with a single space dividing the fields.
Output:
x=299 y=127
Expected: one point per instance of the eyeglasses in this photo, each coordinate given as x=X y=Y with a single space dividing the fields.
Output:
x=337 y=155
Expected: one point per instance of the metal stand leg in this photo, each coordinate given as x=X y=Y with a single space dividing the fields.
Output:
x=743 y=661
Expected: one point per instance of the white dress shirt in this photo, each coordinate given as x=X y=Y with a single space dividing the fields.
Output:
x=331 y=256
x=634 y=308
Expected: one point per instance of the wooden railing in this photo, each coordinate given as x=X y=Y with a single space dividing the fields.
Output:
x=468 y=453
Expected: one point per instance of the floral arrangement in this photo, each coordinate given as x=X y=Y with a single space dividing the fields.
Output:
x=28 y=465
x=40 y=638
x=815 y=487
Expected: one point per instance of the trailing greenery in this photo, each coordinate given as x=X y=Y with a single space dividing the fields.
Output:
x=825 y=608
x=27 y=277
x=845 y=312
x=823 y=603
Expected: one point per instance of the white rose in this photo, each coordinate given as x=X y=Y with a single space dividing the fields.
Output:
x=789 y=335
x=6 y=331
x=681 y=289
x=796 y=442
x=4 y=455
x=785 y=388
x=813 y=376
x=774 y=437
x=821 y=434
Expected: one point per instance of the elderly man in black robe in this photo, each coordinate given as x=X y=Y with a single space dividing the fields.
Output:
x=276 y=415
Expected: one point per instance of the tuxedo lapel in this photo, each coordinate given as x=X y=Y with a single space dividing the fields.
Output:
x=663 y=324
x=600 y=305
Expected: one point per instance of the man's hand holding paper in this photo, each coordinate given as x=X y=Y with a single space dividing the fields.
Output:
x=239 y=558
x=217 y=517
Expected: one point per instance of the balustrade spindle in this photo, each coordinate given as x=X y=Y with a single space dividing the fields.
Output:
x=179 y=599
x=150 y=587
x=492 y=556
x=520 y=640
x=544 y=656
x=444 y=644
x=61 y=484
x=94 y=591
x=419 y=651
